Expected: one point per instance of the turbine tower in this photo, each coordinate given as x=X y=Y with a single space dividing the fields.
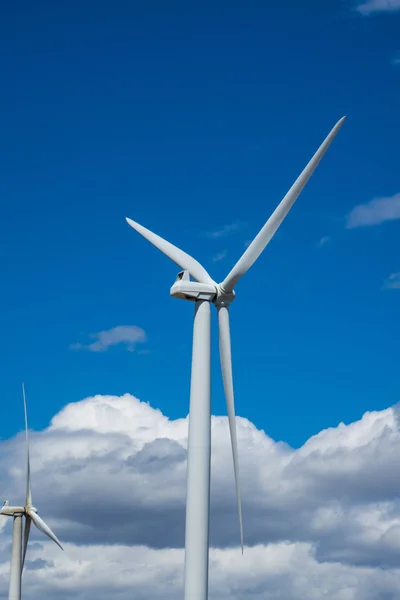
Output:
x=204 y=292
x=28 y=511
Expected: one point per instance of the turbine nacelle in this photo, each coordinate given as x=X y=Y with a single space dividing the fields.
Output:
x=185 y=289
x=11 y=511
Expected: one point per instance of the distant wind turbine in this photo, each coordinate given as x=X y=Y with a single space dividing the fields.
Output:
x=204 y=291
x=28 y=511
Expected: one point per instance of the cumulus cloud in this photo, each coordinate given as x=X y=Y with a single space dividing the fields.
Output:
x=375 y=212
x=128 y=335
x=392 y=282
x=378 y=6
x=108 y=475
x=285 y=571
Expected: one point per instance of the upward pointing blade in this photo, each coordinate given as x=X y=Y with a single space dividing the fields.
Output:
x=26 y=538
x=226 y=366
x=28 y=465
x=41 y=525
x=270 y=227
x=183 y=260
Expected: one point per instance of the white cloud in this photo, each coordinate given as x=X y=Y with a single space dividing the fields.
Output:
x=220 y=256
x=108 y=475
x=375 y=212
x=283 y=570
x=375 y=6
x=392 y=282
x=223 y=231
x=129 y=335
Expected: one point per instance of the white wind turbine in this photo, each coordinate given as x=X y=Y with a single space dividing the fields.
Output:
x=205 y=291
x=28 y=511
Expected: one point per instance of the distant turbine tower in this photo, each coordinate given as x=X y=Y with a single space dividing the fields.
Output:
x=205 y=291
x=30 y=512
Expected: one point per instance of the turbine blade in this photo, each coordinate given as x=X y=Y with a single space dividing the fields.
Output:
x=28 y=464
x=226 y=366
x=183 y=260
x=264 y=236
x=27 y=529
x=41 y=525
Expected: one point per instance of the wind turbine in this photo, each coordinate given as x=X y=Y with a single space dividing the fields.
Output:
x=28 y=511
x=203 y=292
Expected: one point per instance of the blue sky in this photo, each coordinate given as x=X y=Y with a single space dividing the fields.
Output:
x=196 y=120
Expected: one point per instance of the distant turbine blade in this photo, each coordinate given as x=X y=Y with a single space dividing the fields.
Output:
x=270 y=227
x=183 y=260
x=27 y=529
x=41 y=525
x=28 y=464
x=226 y=366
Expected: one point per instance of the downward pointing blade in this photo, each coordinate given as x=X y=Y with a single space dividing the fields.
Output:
x=183 y=260
x=28 y=464
x=41 y=525
x=270 y=227
x=226 y=366
x=27 y=529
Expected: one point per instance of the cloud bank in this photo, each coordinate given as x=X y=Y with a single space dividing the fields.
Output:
x=108 y=475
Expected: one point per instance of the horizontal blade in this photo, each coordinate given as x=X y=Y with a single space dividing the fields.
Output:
x=226 y=366
x=41 y=525
x=183 y=260
x=28 y=464
x=264 y=236
x=27 y=529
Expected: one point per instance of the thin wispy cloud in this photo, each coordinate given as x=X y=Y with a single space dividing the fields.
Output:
x=126 y=335
x=324 y=240
x=220 y=256
x=378 y=6
x=375 y=212
x=392 y=282
x=223 y=231
x=396 y=61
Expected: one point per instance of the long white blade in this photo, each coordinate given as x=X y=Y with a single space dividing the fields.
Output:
x=41 y=525
x=28 y=464
x=270 y=227
x=226 y=366
x=26 y=538
x=183 y=260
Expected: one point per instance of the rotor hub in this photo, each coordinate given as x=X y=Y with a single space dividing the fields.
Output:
x=223 y=298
